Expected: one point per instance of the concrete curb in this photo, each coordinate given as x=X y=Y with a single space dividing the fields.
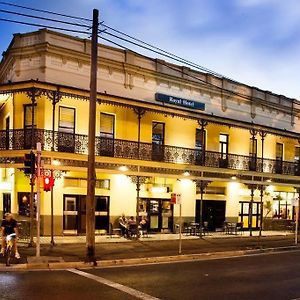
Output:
x=143 y=260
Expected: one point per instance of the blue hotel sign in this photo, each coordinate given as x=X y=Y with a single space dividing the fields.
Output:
x=179 y=101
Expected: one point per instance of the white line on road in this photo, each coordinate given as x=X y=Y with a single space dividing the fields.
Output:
x=115 y=285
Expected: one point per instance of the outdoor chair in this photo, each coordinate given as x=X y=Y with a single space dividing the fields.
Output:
x=239 y=227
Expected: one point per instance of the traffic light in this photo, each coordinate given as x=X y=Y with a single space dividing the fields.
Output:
x=48 y=183
x=29 y=163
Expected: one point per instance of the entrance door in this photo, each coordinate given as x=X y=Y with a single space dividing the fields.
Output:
x=213 y=213
x=75 y=214
x=245 y=214
x=160 y=214
x=6 y=203
x=70 y=222
x=102 y=214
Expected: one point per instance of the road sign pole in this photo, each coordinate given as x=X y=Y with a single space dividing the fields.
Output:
x=297 y=221
x=38 y=200
x=180 y=229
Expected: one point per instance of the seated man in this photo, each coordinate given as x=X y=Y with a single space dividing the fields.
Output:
x=8 y=226
x=123 y=222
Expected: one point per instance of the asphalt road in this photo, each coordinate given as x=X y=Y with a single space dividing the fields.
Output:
x=268 y=276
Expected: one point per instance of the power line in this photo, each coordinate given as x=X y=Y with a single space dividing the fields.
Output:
x=164 y=51
x=221 y=89
x=43 y=26
x=45 y=11
x=149 y=49
x=43 y=18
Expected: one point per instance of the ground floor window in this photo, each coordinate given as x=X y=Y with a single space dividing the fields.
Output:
x=159 y=213
x=74 y=221
x=24 y=204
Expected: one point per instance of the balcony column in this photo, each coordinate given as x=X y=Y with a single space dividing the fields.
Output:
x=202 y=184
x=139 y=112
x=262 y=134
x=252 y=188
x=262 y=189
x=253 y=160
x=54 y=97
x=33 y=94
x=138 y=180
x=202 y=123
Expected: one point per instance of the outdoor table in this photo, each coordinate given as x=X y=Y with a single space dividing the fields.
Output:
x=231 y=228
x=194 y=227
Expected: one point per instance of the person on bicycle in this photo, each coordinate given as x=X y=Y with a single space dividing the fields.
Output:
x=8 y=226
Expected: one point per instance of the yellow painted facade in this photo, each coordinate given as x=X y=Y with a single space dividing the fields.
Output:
x=177 y=171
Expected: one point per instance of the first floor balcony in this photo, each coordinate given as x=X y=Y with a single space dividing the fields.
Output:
x=22 y=139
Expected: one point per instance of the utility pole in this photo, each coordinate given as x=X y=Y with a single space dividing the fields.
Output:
x=91 y=177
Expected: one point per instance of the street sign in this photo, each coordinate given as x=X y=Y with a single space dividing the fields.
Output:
x=175 y=198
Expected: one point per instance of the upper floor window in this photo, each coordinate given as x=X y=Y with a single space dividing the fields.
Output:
x=223 y=145
x=66 y=129
x=28 y=116
x=66 y=119
x=107 y=125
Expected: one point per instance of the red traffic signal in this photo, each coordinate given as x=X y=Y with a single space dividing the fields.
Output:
x=48 y=183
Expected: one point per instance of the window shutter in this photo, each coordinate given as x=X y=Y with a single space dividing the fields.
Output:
x=107 y=125
x=66 y=119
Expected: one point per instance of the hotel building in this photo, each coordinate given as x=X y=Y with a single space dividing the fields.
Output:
x=231 y=150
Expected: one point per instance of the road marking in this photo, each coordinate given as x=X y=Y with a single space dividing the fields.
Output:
x=115 y=285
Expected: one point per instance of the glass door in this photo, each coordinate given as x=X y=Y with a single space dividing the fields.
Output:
x=279 y=158
x=154 y=213
x=200 y=146
x=158 y=141
x=223 y=162
x=29 y=122
x=160 y=214
x=253 y=154
x=102 y=214
x=107 y=134
x=70 y=221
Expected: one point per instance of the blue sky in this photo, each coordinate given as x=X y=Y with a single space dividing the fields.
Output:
x=256 y=42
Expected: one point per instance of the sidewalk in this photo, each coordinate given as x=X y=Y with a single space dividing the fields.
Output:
x=72 y=249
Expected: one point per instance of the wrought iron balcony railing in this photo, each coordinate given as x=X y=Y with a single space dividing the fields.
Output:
x=20 y=139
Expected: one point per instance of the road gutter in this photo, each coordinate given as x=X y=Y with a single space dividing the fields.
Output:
x=145 y=260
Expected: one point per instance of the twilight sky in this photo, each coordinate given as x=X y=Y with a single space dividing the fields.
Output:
x=256 y=42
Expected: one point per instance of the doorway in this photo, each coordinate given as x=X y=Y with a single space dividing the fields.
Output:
x=6 y=203
x=159 y=213
x=213 y=213
x=75 y=214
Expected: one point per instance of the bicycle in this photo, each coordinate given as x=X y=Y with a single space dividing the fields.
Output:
x=10 y=241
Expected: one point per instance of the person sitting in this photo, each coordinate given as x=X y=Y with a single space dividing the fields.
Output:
x=132 y=226
x=143 y=226
x=123 y=222
x=8 y=226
